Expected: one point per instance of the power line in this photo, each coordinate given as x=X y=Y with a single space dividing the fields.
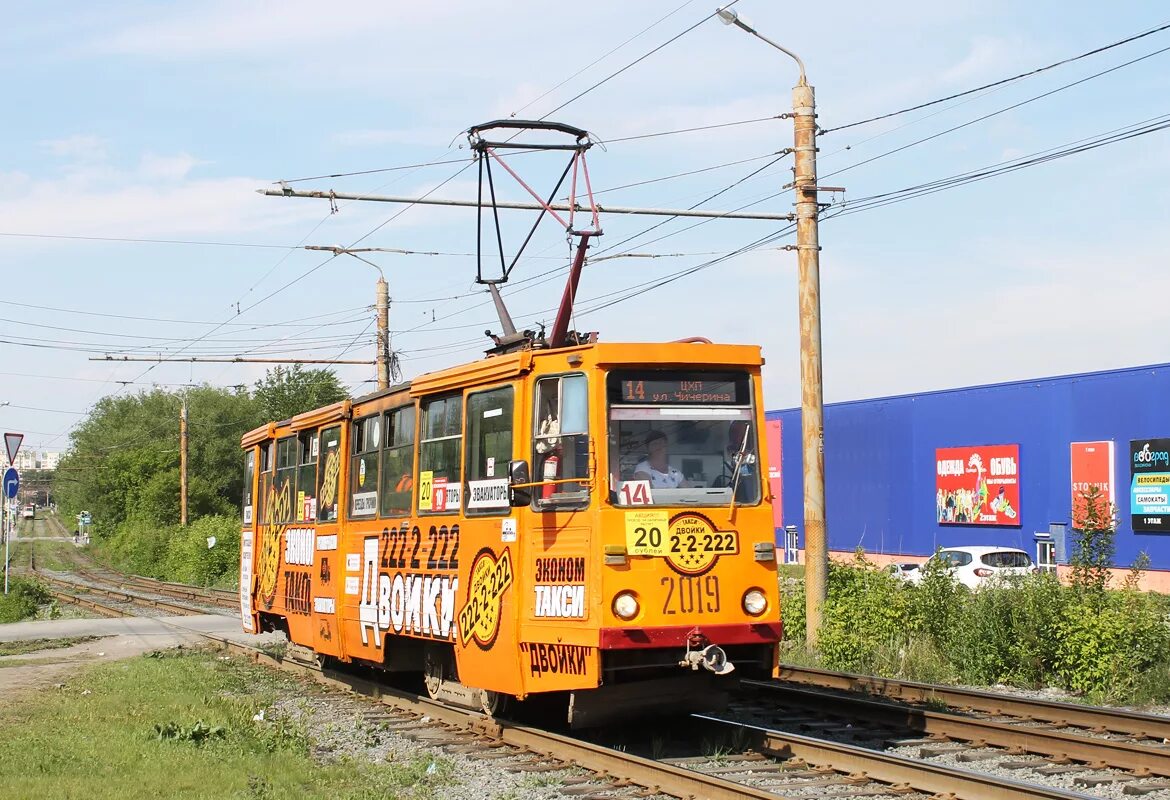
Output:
x=999 y=111
x=636 y=61
x=1002 y=81
x=597 y=61
x=1143 y=128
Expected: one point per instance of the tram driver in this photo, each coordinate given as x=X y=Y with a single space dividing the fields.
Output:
x=656 y=466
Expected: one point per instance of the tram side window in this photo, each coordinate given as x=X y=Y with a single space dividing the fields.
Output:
x=398 y=462
x=249 y=476
x=438 y=458
x=329 y=446
x=265 y=483
x=363 y=467
x=489 y=449
x=285 y=482
x=306 y=498
x=561 y=440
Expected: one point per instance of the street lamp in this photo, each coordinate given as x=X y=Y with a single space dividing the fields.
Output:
x=382 y=356
x=811 y=395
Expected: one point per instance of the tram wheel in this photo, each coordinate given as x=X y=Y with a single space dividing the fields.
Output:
x=433 y=673
x=493 y=703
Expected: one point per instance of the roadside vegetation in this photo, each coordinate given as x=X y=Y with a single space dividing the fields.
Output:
x=25 y=599
x=187 y=724
x=123 y=467
x=1108 y=644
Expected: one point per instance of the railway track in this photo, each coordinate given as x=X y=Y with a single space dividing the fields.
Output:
x=720 y=759
x=1104 y=751
x=81 y=594
x=222 y=598
x=765 y=757
x=1095 y=719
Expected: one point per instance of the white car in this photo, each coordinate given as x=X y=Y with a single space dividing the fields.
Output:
x=975 y=566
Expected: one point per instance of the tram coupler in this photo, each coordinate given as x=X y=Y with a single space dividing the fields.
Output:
x=701 y=653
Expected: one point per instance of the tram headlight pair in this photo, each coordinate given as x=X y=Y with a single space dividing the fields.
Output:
x=755 y=602
x=625 y=605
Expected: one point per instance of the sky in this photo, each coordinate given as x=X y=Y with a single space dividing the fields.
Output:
x=137 y=134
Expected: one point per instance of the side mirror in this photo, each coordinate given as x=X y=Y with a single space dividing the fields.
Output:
x=518 y=473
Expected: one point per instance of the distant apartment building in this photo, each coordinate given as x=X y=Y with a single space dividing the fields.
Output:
x=33 y=459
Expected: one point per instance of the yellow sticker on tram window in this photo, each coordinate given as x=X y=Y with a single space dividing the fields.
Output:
x=426 y=482
x=646 y=533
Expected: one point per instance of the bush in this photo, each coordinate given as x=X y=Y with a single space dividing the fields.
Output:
x=172 y=552
x=25 y=596
x=190 y=560
x=1109 y=645
x=864 y=617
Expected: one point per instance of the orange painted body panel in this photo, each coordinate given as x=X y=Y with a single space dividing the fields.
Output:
x=522 y=597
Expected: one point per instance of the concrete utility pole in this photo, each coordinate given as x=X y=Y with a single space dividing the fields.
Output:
x=382 y=357
x=383 y=354
x=812 y=427
x=183 y=464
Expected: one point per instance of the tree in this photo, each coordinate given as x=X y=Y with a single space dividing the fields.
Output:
x=286 y=392
x=123 y=462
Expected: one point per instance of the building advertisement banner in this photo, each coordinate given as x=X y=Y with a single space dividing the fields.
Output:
x=772 y=435
x=1091 y=467
x=978 y=485
x=1149 y=486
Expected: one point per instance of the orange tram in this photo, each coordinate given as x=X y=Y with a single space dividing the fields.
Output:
x=589 y=521
x=565 y=519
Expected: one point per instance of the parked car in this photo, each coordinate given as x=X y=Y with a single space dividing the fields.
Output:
x=975 y=566
x=905 y=570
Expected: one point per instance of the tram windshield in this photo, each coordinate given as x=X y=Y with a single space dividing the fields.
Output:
x=682 y=438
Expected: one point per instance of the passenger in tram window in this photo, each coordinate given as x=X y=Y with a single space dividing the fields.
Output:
x=656 y=466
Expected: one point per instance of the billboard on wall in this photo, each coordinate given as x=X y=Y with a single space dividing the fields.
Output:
x=978 y=485
x=1149 y=485
x=775 y=484
x=1091 y=467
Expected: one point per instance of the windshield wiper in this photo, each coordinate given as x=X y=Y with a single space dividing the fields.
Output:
x=741 y=458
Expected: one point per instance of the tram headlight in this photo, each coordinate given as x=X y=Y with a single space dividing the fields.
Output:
x=625 y=605
x=755 y=602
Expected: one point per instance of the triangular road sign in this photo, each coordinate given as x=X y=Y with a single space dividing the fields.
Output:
x=12 y=444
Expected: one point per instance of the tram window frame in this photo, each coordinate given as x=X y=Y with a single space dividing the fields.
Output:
x=247 y=512
x=332 y=433
x=365 y=448
x=400 y=436
x=476 y=446
x=285 y=476
x=553 y=442
x=617 y=405
x=265 y=481
x=434 y=438
x=307 y=454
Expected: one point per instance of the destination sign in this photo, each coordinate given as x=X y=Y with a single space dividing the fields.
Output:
x=672 y=388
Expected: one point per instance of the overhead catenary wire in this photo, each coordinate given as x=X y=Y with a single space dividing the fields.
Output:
x=997 y=112
x=635 y=62
x=1002 y=81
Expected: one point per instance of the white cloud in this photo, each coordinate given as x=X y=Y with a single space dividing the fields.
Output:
x=155 y=198
x=987 y=56
x=79 y=147
x=258 y=29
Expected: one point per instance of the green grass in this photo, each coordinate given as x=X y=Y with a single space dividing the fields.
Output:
x=34 y=645
x=180 y=725
x=59 y=556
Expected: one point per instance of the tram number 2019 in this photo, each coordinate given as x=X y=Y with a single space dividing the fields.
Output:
x=691 y=595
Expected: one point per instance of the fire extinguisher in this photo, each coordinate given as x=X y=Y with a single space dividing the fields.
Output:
x=550 y=474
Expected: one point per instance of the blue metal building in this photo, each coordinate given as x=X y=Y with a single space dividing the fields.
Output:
x=880 y=460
